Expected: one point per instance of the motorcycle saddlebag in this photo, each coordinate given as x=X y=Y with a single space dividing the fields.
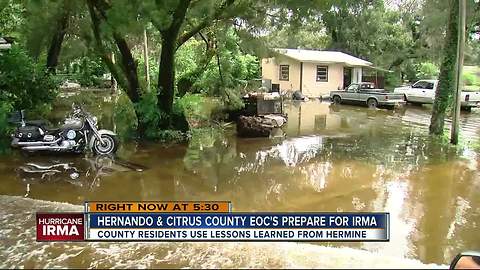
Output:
x=28 y=133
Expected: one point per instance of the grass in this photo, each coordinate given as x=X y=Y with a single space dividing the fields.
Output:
x=471 y=76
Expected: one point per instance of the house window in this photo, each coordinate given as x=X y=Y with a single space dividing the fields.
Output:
x=322 y=74
x=284 y=72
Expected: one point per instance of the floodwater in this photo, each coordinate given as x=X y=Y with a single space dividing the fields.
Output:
x=333 y=158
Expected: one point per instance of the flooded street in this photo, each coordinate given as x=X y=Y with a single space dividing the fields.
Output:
x=333 y=158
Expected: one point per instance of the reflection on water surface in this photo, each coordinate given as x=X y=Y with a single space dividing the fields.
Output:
x=334 y=158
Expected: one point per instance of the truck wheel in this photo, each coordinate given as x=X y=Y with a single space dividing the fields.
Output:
x=372 y=103
x=336 y=99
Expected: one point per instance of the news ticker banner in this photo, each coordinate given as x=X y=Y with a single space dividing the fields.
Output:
x=205 y=221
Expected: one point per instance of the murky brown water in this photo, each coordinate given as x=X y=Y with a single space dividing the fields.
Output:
x=332 y=159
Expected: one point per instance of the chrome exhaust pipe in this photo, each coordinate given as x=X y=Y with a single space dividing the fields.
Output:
x=42 y=143
x=45 y=147
x=66 y=145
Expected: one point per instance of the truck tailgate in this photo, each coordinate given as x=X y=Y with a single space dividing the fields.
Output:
x=393 y=96
x=470 y=96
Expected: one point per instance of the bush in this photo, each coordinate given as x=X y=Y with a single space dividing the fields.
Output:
x=125 y=117
x=5 y=109
x=88 y=71
x=392 y=80
x=25 y=85
x=426 y=70
x=148 y=114
x=198 y=109
x=169 y=135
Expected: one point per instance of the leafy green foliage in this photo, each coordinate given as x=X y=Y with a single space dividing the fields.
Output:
x=426 y=70
x=225 y=73
x=149 y=115
x=26 y=85
x=11 y=17
x=87 y=71
x=170 y=136
x=198 y=109
x=5 y=109
x=124 y=117
x=392 y=80
x=470 y=79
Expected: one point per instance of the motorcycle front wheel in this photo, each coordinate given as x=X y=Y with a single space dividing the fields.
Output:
x=108 y=147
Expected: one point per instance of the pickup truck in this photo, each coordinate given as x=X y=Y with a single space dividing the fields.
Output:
x=423 y=92
x=366 y=94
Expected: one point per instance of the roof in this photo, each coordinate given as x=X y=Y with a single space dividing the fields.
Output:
x=323 y=57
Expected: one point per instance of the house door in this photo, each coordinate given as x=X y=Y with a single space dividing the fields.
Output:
x=347 y=76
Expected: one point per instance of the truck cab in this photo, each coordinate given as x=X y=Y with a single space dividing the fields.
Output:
x=423 y=92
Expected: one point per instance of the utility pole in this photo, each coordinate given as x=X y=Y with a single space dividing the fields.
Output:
x=459 y=68
x=145 y=59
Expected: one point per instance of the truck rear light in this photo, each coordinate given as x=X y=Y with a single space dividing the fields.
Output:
x=467 y=97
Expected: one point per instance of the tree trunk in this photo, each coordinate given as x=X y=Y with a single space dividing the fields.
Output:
x=166 y=76
x=129 y=68
x=446 y=84
x=101 y=48
x=56 y=43
x=127 y=76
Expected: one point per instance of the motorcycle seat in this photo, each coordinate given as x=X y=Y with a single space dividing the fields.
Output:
x=43 y=125
x=52 y=130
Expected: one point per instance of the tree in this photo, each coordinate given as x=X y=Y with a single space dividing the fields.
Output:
x=185 y=21
x=127 y=76
x=446 y=84
x=56 y=42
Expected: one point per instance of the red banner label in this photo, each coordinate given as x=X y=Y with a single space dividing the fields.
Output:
x=60 y=226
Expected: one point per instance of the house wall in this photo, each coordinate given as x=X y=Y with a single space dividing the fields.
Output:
x=271 y=70
x=312 y=88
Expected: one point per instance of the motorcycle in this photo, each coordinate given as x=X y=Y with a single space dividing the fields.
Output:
x=79 y=133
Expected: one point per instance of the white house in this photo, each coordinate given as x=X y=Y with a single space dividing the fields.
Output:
x=315 y=73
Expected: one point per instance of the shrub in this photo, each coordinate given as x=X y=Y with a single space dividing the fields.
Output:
x=426 y=70
x=392 y=79
x=5 y=109
x=198 y=109
x=148 y=114
x=88 y=71
x=169 y=135
x=26 y=84
x=124 y=116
